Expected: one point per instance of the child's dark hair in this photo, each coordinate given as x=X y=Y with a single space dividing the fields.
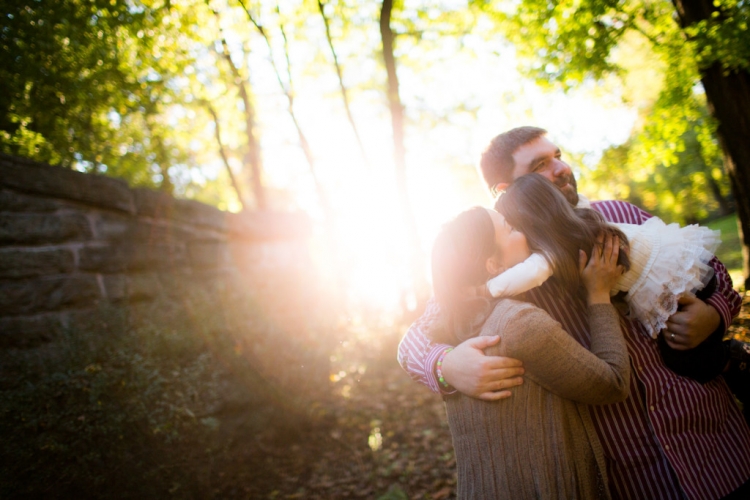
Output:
x=537 y=208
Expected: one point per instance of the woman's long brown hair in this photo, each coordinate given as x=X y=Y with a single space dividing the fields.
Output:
x=537 y=208
x=459 y=257
x=533 y=206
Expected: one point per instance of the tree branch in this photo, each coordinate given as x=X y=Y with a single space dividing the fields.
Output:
x=339 y=73
x=223 y=154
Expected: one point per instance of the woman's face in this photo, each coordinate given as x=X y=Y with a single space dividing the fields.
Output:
x=511 y=244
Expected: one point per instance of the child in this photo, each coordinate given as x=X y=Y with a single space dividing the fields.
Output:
x=665 y=262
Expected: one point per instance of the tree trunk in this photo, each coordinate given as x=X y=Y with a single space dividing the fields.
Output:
x=728 y=95
x=222 y=152
x=252 y=157
x=729 y=101
x=399 y=152
x=725 y=205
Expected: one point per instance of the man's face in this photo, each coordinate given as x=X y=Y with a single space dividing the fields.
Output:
x=542 y=157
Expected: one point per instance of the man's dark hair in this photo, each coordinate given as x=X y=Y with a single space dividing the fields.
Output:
x=497 y=159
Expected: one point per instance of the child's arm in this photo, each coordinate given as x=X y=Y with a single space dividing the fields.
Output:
x=524 y=276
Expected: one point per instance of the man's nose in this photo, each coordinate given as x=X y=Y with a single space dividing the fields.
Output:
x=560 y=169
x=556 y=169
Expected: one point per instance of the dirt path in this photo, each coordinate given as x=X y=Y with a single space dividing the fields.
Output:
x=380 y=436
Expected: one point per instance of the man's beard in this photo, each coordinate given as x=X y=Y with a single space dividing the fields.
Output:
x=569 y=189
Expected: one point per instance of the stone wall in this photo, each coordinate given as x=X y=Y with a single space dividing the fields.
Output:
x=70 y=242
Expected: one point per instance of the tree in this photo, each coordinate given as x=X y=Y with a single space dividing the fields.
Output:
x=672 y=168
x=88 y=82
x=399 y=151
x=340 y=76
x=687 y=190
x=253 y=157
x=719 y=30
x=703 y=42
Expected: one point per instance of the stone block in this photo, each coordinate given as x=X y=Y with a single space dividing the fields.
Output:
x=116 y=287
x=200 y=214
x=29 y=331
x=118 y=228
x=11 y=201
x=30 y=229
x=16 y=263
x=209 y=254
x=152 y=203
x=133 y=287
x=131 y=257
x=47 y=294
x=268 y=226
x=32 y=177
x=271 y=256
x=163 y=206
x=114 y=227
x=103 y=259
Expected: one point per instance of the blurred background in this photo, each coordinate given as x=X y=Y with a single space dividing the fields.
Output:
x=368 y=118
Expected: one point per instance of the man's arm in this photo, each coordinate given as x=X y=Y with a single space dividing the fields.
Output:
x=696 y=320
x=466 y=368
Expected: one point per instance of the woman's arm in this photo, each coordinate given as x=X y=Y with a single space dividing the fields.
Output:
x=560 y=364
x=554 y=360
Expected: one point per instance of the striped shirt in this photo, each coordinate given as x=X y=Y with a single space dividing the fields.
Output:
x=672 y=438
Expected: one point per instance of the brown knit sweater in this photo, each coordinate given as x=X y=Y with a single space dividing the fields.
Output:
x=540 y=442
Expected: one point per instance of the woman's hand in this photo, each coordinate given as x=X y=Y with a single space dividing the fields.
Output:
x=602 y=271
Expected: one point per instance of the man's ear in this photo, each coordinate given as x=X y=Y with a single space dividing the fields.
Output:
x=500 y=187
x=493 y=266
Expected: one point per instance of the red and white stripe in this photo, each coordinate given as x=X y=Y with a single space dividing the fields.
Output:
x=672 y=438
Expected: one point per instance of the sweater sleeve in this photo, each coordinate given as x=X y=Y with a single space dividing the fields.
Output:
x=554 y=360
x=522 y=277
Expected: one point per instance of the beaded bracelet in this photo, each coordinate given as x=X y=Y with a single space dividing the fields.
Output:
x=439 y=368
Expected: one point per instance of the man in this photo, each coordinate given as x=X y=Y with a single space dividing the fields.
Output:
x=673 y=437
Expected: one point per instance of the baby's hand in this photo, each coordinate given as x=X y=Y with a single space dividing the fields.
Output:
x=602 y=271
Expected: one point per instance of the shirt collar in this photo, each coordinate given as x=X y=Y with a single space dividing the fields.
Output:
x=583 y=202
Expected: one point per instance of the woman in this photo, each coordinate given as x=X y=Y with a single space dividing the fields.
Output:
x=540 y=443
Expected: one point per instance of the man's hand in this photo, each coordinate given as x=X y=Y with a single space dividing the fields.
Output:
x=693 y=322
x=475 y=374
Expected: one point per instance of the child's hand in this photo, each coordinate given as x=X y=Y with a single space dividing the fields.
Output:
x=602 y=271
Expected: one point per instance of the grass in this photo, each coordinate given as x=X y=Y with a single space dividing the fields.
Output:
x=199 y=399
x=144 y=401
